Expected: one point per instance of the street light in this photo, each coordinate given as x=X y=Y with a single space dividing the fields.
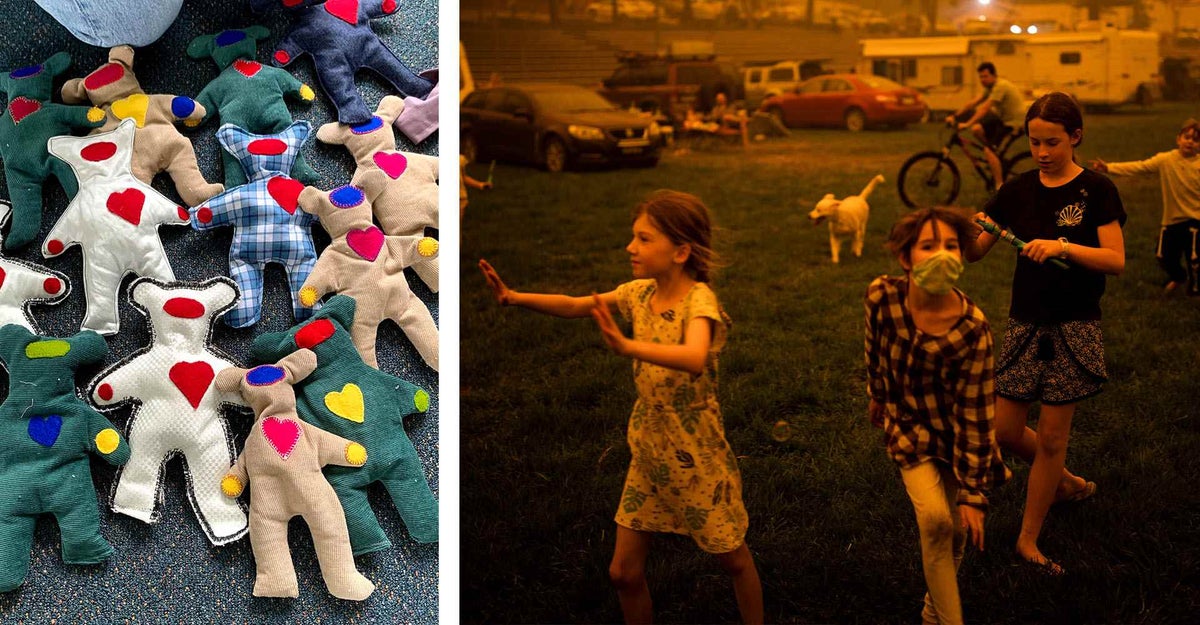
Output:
x=1014 y=29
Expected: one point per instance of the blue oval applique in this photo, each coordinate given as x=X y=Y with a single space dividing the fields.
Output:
x=368 y=127
x=182 y=106
x=26 y=72
x=346 y=197
x=44 y=430
x=230 y=37
x=265 y=375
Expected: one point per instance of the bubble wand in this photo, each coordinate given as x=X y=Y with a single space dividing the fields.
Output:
x=1012 y=239
x=491 y=170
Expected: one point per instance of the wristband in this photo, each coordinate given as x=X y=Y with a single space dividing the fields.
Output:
x=1066 y=246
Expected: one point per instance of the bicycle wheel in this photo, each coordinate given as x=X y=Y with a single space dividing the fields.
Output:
x=1018 y=164
x=928 y=179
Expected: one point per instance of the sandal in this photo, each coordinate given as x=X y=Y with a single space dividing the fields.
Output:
x=1088 y=489
x=1046 y=567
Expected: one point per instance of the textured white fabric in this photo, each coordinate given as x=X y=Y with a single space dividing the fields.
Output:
x=23 y=284
x=113 y=245
x=165 y=422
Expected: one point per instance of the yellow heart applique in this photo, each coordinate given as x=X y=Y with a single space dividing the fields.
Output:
x=347 y=404
x=135 y=107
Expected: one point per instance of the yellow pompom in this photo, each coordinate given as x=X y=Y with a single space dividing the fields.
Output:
x=95 y=114
x=231 y=486
x=107 y=441
x=191 y=123
x=306 y=93
x=356 y=454
x=308 y=296
x=427 y=247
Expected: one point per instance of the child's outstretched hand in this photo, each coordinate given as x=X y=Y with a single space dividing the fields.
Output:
x=499 y=289
x=612 y=334
x=972 y=519
x=1100 y=166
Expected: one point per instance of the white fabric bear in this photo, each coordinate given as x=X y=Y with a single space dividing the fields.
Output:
x=23 y=284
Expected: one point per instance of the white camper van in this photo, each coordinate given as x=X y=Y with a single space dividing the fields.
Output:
x=1102 y=68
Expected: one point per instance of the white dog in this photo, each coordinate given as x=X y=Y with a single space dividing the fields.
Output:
x=847 y=216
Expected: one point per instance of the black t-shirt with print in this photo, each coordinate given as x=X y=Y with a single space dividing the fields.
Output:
x=1045 y=293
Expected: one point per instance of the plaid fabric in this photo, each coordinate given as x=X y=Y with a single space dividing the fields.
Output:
x=937 y=391
x=264 y=231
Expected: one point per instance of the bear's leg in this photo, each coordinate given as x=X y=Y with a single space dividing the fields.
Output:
x=26 y=195
x=366 y=535
x=180 y=159
x=16 y=540
x=249 y=278
x=208 y=460
x=275 y=573
x=74 y=505
x=417 y=323
x=137 y=485
x=386 y=64
x=410 y=492
x=328 y=526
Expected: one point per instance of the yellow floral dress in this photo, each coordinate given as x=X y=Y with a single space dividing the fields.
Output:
x=683 y=477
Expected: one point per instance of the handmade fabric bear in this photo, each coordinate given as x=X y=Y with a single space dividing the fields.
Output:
x=404 y=185
x=267 y=226
x=348 y=398
x=248 y=94
x=157 y=145
x=49 y=431
x=178 y=410
x=23 y=284
x=367 y=265
x=283 y=458
x=28 y=122
x=115 y=218
x=338 y=36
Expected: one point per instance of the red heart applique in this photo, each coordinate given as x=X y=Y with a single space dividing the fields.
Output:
x=392 y=163
x=283 y=434
x=127 y=205
x=23 y=107
x=345 y=10
x=285 y=192
x=247 y=68
x=192 y=379
x=366 y=242
x=314 y=333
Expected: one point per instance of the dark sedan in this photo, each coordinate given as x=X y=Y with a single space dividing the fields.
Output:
x=555 y=125
x=851 y=100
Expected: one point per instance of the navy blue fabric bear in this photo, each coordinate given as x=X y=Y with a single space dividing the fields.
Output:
x=338 y=36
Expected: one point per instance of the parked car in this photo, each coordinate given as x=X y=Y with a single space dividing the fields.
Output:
x=761 y=80
x=670 y=85
x=554 y=125
x=853 y=100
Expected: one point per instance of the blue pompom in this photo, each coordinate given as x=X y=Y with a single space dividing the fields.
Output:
x=182 y=106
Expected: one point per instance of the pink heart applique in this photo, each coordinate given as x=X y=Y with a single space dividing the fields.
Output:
x=283 y=434
x=285 y=192
x=23 y=107
x=192 y=379
x=366 y=242
x=127 y=205
x=247 y=68
x=345 y=10
x=393 y=164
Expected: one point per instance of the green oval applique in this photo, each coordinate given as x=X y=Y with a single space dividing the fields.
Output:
x=421 y=400
x=47 y=349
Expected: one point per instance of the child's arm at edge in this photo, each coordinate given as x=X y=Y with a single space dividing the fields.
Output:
x=564 y=306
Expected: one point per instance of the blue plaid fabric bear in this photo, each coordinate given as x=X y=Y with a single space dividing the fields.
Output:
x=268 y=226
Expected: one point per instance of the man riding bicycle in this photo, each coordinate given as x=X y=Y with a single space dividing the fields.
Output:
x=997 y=113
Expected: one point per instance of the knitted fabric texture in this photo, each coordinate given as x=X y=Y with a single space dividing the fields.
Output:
x=367 y=265
x=338 y=36
x=23 y=284
x=25 y=127
x=267 y=227
x=248 y=94
x=177 y=410
x=114 y=218
x=347 y=397
x=419 y=119
x=44 y=466
x=404 y=185
x=157 y=145
x=283 y=459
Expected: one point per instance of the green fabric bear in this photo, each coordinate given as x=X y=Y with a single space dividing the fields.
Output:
x=44 y=465
x=248 y=94
x=346 y=397
x=26 y=125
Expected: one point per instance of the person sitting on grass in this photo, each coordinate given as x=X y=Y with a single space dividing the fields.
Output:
x=725 y=115
x=683 y=477
x=929 y=376
x=1179 y=175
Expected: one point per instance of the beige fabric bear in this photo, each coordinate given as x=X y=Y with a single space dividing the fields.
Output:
x=157 y=145
x=283 y=457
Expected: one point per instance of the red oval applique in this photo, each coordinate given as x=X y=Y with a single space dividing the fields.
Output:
x=97 y=152
x=54 y=246
x=182 y=212
x=184 y=308
x=106 y=75
x=204 y=215
x=266 y=147
x=314 y=333
x=105 y=391
x=282 y=56
x=389 y=6
x=52 y=286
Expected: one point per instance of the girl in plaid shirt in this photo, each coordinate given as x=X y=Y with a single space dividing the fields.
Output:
x=929 y=376
x=683 y=477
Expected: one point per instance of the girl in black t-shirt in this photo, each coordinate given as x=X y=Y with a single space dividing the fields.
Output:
x=1053 y=351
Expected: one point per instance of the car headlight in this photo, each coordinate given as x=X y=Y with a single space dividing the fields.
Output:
x=586 y=133
x=885 y=98
x=653 y=131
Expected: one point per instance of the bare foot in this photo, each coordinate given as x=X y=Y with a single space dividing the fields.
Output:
x=1034 y=557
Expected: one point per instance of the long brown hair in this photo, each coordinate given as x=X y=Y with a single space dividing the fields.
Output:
x=683 y=218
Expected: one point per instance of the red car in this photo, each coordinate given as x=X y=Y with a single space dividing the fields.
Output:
x=851 y=100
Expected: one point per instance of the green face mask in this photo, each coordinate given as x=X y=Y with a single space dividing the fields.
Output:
x=938 y=273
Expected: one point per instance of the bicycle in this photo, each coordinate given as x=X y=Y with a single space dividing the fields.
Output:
x=932 y=178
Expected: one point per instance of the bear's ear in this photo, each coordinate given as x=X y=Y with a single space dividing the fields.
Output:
x=122 y=55
x=201 y=47
x=230 y=380
x=339 y=308
x=58 y=63
x=73 y=91
x=332 y=133
x=312 y=200
x=258 y=33
x=298 y=365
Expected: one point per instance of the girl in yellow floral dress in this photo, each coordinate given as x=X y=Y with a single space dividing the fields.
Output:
x=683 y=477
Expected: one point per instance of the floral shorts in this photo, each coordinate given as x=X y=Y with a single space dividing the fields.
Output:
x=1057 y=364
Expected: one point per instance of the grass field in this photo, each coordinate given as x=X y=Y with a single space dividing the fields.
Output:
x=544 y=405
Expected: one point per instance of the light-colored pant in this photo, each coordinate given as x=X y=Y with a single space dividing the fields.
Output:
x=108 y=23
x=933 y=490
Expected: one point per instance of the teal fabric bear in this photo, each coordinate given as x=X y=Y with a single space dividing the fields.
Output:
x=248 y=94
x=43 y=464
x=348 y=398
x=26 y=125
